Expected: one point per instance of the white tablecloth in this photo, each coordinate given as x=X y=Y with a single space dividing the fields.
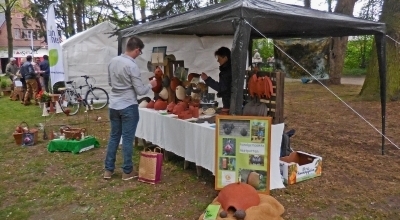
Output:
x=196 y=142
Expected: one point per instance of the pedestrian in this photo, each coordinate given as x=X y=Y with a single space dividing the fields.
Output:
x=125 y=80
x=29 y=74
x=45 y=67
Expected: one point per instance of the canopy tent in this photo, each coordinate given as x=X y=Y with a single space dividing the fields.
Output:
x=89 y=52
x=275 y=20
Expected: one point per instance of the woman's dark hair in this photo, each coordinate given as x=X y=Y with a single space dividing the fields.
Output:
x=223 y=52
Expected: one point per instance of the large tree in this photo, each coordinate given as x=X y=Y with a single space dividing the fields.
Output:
x=339 y=44
x=391 y=16
x=6 y=7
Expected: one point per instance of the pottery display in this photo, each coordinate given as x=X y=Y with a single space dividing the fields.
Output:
x=158 y=73
x=143 y=104
x=178 y=109
x=195 y=111
x=209 y=111
x=165 y=81
x=185 y=115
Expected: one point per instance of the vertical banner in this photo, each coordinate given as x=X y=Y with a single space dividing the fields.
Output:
x=54 y=48
x=243 y=151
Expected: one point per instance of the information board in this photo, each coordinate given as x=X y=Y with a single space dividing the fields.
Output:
x=242 y=151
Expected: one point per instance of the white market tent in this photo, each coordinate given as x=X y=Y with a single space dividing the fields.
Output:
x=88 y=53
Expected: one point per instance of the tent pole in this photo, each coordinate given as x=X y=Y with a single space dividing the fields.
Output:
x=240 y=45
x=381 y=50
x=119 y=43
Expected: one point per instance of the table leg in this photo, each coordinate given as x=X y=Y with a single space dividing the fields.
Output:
x=185 y=164
x=198 y=170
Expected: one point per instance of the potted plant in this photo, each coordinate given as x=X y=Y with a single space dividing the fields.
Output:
x=43 y=97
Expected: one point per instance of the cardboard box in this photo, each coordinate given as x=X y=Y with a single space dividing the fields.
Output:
x=300 y=166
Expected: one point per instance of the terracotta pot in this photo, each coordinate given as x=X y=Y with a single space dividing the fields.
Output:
x=158 y=73
x=158 y=87
x=185 y=115
x=151 y=104
x=174 y=83
x=195 y=111
x=185 y=105
x=170 y=106
x=178 y=109
x=195 y=103
x=240 y=196
x=160 y=105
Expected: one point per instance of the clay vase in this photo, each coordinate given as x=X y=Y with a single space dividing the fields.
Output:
x=195 y=103
x=151 y=104
x=158 y=73
x=160 y=105
x=240 y=196
x=174 y=83
x=170 y=106
x=185 y=105
x=163 y=94
x=185 y=115
x=178 y=109
x=194 y=111
x=180 y=92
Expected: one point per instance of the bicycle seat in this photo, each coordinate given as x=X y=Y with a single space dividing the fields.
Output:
x=69 y=82
x=85 y=76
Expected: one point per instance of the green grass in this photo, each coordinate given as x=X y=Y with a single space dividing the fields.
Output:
x=354 y=72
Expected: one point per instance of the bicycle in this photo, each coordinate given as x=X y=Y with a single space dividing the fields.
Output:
x=70 y=100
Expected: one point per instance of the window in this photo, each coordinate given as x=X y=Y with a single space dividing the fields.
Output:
x=26 y=34
x=35 y=34
x=17 y=33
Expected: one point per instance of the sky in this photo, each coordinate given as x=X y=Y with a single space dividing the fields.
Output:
x=322 y=5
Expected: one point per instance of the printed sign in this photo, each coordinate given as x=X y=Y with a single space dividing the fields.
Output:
x=242 y=151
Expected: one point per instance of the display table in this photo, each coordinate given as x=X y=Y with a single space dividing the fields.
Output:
x=73 y=146
x=196 y=142
x=192 y=141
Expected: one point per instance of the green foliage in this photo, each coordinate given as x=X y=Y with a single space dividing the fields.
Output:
x=358 y=52
x=265 y=48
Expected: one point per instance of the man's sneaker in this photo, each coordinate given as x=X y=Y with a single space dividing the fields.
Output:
x=107 y=174
x=129 y=176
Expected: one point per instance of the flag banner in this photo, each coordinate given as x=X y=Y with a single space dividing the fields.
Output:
x=54 y=48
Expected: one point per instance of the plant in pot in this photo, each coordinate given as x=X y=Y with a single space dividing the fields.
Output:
x=43 y=97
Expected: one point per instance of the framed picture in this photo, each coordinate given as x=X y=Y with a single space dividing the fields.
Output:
x=160 y=50
x=242 y=151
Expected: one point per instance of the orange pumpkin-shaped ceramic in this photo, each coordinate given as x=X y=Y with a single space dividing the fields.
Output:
x=170 y=106
x=194 y=111
x=151 y=104
x=160 y=105
x=185 y=105
x=239 y=196
x=185 y=115
x=178 y=109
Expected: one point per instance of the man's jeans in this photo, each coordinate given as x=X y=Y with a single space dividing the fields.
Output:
x=123 y=122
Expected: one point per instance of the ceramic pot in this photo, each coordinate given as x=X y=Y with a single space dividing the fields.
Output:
x=180 y=92
x=158 y=73
x=150 y=104
x=160 y=105
x=239 y=196
x=178 y=109
x=195 y=111
x=143 y=104
x=158 y=87
x=163 y=94
x=185 y=105
x=174 y=83
x=170 y=106
x=185 y=115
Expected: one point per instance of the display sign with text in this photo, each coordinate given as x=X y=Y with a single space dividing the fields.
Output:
x=242 y=151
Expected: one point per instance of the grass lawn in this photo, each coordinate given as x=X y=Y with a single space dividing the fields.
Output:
x=357 y=182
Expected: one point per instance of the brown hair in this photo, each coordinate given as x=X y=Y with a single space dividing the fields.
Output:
x=134 y=43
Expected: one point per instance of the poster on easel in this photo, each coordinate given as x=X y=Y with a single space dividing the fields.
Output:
x=242 y=151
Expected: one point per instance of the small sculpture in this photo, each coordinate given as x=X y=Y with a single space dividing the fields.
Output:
x=243 y=132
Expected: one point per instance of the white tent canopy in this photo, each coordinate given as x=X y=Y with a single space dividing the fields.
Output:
x=88 y=53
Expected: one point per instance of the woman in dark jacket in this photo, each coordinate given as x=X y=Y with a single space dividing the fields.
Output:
x=223 y=87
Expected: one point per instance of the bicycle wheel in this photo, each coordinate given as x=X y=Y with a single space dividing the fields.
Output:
x=69 y=100
x=97 y=97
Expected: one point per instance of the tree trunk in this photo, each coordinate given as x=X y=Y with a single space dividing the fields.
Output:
x=370 y=90
x=78 y=15
x=307 y=3
x=10 y=38
x=134 y=10
x=70 y=15
x=339 y=44
x=143 y=10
